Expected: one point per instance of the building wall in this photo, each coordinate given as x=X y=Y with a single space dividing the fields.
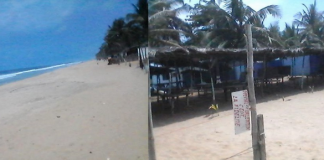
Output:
x=297 y=68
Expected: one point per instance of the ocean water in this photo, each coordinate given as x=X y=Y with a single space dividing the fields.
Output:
x=8 y=76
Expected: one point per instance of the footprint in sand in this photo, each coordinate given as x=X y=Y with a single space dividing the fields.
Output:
x=279 y=143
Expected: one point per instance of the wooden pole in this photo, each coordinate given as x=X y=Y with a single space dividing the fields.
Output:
x=177 y=82
x=150 y=126
x=255 y=136
x=171 y=100
x=213 y=89
x=212 y=80
x=302 y=80
x=201 y=80
x=191 y=78
x=261 y=137
x=264 y=74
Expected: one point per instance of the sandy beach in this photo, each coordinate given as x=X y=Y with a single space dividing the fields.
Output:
x=86 y=111
x=293 y=129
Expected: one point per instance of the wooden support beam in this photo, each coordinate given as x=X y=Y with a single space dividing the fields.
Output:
x=150 y=126
x=255 y=135
x=212 y=80
x=264 y=74
x=172 y=105
x=261 y=137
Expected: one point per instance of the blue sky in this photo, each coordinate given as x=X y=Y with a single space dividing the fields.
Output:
x=46 y=32
x=288 y=8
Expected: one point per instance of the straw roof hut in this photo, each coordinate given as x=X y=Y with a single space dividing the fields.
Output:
x=187 y=56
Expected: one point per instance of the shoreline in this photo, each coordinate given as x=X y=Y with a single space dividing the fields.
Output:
x=21 y=74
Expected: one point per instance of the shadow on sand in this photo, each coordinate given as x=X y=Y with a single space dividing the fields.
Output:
x=199 y=106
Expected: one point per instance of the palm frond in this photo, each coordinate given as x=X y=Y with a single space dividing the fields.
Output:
x=161 y=14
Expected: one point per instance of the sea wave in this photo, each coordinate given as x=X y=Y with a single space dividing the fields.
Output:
x=6 y=76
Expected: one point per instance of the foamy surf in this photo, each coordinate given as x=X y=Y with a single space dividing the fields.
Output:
x=11 y=75
x=7 y=76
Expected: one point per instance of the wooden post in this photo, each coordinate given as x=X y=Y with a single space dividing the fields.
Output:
x=255 y=136
x=261 y=137
x=171 y=99
x=187 y=98
x=177 y=82
x=264 y=74
x=150 y=127
x=191 y=82
x=191 y=78
x=172 y=105
x=213 y=90
x=302 y=80
x=201 y=79
x=157 y=87
x=170 y=82
x=212 y=80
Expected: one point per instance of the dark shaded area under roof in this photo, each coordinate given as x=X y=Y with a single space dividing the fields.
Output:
x=159 y=70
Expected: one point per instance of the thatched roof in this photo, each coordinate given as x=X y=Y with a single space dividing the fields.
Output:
x=186 y=56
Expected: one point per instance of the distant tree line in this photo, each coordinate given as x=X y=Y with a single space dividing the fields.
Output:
x=126 y=33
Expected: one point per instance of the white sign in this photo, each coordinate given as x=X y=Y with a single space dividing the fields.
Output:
x=241 y=109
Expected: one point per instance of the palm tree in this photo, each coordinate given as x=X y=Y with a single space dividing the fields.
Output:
x=290 y=36
x=138 y=22
x=165 y=27
x=117 y=36
x=129 y=32
x=310 y=23
x=224 y=26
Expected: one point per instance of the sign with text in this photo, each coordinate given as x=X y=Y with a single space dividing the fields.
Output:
x=241 y=109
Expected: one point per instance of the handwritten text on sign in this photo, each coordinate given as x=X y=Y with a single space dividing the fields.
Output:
x=241 y=109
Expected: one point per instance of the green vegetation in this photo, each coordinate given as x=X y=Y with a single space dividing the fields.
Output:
x=220 y=24
x=210 y=23
x=126 y=33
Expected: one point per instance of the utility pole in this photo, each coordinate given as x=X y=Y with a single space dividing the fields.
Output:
x=255 y=136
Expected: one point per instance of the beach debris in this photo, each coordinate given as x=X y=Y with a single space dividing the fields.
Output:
x=311 y=88
x=90 y=152
x=58 y=116
x=214 y=107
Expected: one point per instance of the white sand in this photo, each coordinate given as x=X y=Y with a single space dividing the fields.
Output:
x=294 y=131
x=82 y=112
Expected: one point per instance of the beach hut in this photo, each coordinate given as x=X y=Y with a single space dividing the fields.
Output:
x=268 y=61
